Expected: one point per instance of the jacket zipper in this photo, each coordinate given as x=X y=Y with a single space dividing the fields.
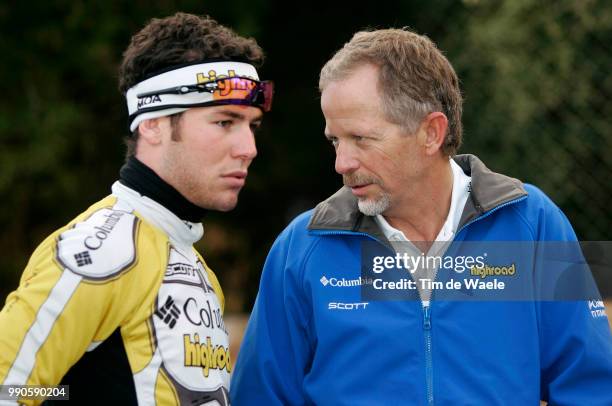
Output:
x=493 y=210
x=328 y=232
x=426 y=309
x=427 y=313
x=428 y=354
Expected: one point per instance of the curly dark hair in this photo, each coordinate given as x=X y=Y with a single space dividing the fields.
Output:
x=180 y=39
x=177 y=40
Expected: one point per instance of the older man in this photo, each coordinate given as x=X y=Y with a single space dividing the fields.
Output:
x=318 y=335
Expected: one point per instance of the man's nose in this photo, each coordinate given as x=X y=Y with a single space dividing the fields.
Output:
x=346 y=162
x=245 y=148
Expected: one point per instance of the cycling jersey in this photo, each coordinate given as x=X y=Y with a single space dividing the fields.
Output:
x=124 y=271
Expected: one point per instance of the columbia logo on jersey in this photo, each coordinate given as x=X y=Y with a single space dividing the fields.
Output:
x=169 y=312
x=82 y=258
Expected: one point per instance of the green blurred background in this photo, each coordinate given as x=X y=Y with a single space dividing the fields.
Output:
x=535 y=75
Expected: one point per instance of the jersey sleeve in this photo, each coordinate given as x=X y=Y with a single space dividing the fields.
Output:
x=77 y=288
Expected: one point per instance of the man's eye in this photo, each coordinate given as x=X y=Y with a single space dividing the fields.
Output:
x=255 y=126
x=333 y=141
x=358 y=138
x=224 y=123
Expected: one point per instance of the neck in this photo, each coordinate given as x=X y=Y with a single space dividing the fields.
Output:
x=422 y=214
x=139 y=177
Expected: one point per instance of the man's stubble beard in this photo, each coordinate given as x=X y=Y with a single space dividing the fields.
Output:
x=368 y=206
x=183 y=179
x=374 y=207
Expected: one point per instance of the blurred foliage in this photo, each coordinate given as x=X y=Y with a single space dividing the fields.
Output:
x=535 y=77
x=537 y=107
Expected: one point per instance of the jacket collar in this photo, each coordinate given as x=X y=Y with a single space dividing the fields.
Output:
x=488 y=191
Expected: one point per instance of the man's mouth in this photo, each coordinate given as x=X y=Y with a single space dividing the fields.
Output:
x=235 y=178
x=360 y=189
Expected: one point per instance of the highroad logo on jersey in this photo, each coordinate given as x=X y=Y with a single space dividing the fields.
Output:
x=205 y=355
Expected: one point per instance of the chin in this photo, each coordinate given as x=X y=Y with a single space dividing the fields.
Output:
x=373 y=207
x=226 y=204
x=223 y=201
x=226 y=208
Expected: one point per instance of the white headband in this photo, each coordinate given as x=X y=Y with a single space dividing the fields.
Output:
x=154 y=106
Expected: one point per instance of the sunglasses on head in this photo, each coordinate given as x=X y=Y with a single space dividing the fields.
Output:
x=229 y=90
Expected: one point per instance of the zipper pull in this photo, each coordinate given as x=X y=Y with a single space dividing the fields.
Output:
x=426 y=318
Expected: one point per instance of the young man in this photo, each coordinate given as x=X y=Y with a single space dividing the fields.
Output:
x=118 y=304
x=320 y=332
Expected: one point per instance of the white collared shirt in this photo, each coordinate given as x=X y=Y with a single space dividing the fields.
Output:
x=459 y=196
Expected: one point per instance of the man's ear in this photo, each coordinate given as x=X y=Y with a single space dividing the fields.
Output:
x=151 y=131
x=434 y=126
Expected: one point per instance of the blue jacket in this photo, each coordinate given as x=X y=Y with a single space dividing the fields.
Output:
x=313 y=339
